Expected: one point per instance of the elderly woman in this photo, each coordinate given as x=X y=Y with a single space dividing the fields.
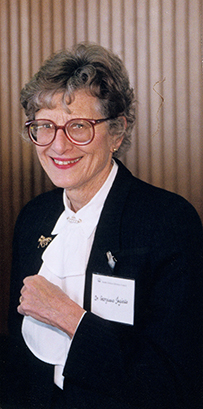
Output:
x=106 y=283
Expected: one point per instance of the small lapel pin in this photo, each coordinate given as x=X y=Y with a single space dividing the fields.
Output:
x=111 y=259
x=44 y=241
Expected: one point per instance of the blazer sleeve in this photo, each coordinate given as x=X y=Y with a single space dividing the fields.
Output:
x=24 y=371
x=157 y=363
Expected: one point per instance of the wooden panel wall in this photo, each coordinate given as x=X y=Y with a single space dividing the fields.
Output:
x=160 y=42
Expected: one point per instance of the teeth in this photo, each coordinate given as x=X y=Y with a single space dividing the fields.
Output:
x=65 y=162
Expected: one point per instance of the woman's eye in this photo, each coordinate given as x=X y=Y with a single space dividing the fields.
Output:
x=77 y=126
x=47 y=126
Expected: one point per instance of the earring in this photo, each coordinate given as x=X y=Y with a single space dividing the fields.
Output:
x=115 y=150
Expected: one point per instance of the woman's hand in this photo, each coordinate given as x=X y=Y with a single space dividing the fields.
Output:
x=47 y=303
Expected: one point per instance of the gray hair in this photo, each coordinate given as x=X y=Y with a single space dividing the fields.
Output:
x=90 y=67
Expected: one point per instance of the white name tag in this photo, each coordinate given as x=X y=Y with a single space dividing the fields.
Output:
x=113 y=298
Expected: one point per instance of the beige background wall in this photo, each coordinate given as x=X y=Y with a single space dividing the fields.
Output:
x=160 y=43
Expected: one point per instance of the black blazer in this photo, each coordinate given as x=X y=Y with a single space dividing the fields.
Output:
x=156 y=237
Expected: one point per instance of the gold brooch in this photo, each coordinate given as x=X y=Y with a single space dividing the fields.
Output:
x=43 y=241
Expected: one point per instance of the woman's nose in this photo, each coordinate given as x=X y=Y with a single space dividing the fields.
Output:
x=61 y=143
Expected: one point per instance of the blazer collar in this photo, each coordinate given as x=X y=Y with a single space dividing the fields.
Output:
x=107 y=233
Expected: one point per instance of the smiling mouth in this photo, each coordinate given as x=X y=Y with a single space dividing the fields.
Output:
x=65 y=162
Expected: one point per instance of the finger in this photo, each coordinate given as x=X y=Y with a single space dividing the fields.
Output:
x=20 y=310
x=22 y=289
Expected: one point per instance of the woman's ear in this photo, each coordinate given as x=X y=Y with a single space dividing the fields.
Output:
x=125 y=122
x=118 y=139
x=117 y=143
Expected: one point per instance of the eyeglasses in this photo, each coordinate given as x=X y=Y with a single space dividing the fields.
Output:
x=79 y=131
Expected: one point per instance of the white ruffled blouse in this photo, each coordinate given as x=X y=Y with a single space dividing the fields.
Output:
x=64 y=264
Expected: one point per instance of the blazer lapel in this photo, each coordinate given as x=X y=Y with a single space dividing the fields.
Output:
x=107 y=236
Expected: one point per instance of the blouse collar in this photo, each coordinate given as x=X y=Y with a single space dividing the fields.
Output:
x=88 y=216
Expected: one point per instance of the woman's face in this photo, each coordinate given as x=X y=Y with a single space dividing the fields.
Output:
x=81 y=170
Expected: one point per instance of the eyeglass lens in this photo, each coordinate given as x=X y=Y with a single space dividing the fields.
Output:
x=43 y=131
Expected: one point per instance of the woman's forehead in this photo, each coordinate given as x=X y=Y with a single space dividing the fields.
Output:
x=80 y=100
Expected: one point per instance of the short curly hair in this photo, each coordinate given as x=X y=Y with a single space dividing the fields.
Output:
x=91 y=67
